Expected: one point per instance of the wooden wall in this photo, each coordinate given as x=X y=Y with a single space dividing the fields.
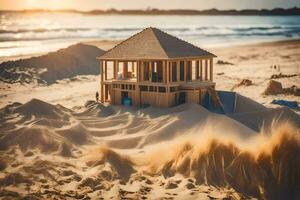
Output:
x=192 y=96
x=155 y=99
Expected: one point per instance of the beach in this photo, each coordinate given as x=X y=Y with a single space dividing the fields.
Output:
x=71 y=147
x=254 y=62
x=57 y=142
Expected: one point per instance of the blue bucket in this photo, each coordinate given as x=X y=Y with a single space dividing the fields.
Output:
x=127 y=101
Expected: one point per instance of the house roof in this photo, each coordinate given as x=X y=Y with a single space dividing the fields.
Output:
x=152 y=43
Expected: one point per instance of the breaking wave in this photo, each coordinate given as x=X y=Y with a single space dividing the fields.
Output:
x=124 y=32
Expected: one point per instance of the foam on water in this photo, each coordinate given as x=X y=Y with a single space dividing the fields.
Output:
x=41 y=32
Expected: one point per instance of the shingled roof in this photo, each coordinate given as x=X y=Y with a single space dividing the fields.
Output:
x=152 y=43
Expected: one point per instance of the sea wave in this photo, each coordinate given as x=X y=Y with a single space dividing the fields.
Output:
x=121 y=33
x=27 y=34
x=43 y=30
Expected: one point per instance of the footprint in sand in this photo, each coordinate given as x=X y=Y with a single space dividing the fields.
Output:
x=171 y=185
x=190 y=186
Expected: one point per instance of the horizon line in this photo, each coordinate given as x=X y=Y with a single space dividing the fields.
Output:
x=145 y=9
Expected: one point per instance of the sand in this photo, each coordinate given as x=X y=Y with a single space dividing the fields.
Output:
x=251 y=62
x=55 y=142
x=49 y=151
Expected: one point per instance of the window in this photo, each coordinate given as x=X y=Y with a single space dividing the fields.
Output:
x=122 y=86
x=143 y=88
x=162 y=89
x=172 y=89
x=152 y=89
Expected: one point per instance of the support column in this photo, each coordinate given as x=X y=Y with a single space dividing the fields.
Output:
x=167 y=71
x=206 y=68
x=171 y=71
x=178 y=71
x=125 y=69
x=115 y=69
x=197 y=70
x=138 y=71
x=201 y=73
x=105 y=70
x=191 y=70
x=163 y=71
x=185 y=67
x=106 y=92
x=132 y=66
x=101 y=83
x=142 y=70
x=150 y=71
x=211 y=69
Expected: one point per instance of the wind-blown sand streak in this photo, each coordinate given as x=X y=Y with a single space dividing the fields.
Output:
x=48 y=151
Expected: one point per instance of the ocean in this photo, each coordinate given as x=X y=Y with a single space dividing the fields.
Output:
x=32 y=33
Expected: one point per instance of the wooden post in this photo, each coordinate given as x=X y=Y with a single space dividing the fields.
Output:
x=150 y=71
x=171 y=71
x=201 y=73
x=191 y=70
x=178 y=70
x=115 y=69
x=211 y=69
x=164 y=71
x=106 y=92
x=105 y=70
x=101 y=83
x=167 y=71
x=185 y=70
x=206 y=68
x=132 y=66
x=125 y=69
x=142 y=70
x=138 y=71
x=197 y=70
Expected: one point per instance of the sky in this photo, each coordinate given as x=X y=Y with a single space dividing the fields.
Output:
x=143 y=4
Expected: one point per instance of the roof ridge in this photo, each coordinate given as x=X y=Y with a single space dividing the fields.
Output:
x=182 y=41
x=153 y=28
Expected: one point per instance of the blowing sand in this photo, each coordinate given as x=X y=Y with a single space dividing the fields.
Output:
x=57 y=143
x=185 y=152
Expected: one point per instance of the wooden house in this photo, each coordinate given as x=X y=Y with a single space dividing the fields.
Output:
x=157 y=69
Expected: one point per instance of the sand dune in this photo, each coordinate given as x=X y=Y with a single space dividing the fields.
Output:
x=79 y=59
x=118 y=152
x=272 y=172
